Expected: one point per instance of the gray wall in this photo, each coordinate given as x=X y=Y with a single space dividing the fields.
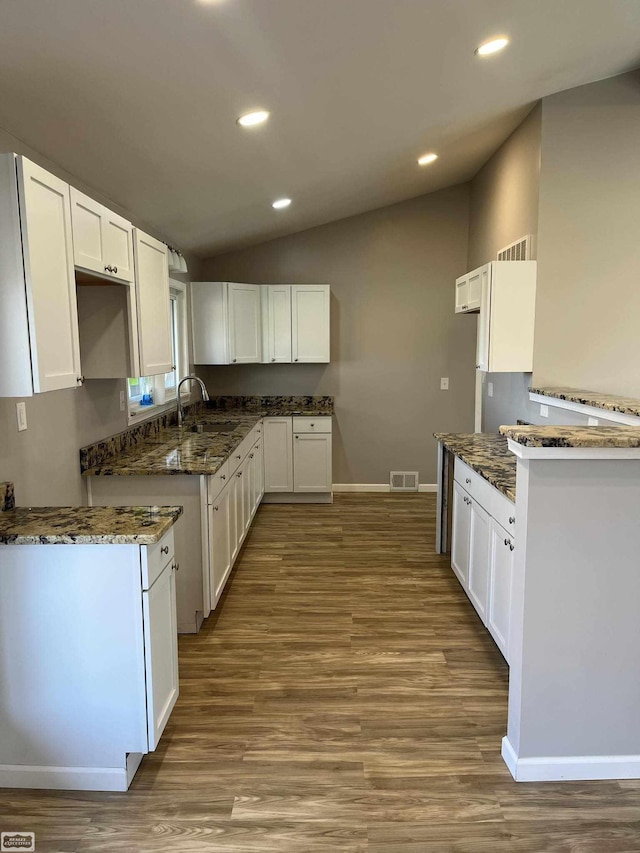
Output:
x=393 y=330
x=588 y=295
x=504 y=207
x=43 y=461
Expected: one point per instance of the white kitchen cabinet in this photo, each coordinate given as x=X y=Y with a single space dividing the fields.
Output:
x=504 y=292
x=312 y=462
x=153 y=304
x=226 y=320
x=469 y=289
x=478 y=579
x=276 y=323
x=161 y=651
x=460 y=534
x=39 y=341
x=310 y=322
x=257 y=477
x=278 y=455
x=97 y=649
x=502 y=549
x=220 y=543
x=102 y=240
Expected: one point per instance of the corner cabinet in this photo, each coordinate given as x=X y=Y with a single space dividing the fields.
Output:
x=39 y=340
x=504 y=294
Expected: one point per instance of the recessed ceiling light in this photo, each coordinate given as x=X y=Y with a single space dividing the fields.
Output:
x=281 y=202
x=251 y=119
x=492 y=46
x=427 y=158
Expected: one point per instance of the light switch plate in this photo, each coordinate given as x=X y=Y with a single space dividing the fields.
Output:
x=444 y=383
x=489 y=389
x=21 y=412
x=544 y=411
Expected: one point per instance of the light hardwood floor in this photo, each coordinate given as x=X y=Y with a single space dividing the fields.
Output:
x=344 y=697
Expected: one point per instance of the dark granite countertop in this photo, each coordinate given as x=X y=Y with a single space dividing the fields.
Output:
x=81 y=525
x=573 y=436
x=486 y=453
x=609 y=402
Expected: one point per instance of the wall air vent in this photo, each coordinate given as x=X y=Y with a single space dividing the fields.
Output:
x=403 y=481
x=521 y=250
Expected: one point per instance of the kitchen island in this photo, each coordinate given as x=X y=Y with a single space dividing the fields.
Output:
x=88 y=635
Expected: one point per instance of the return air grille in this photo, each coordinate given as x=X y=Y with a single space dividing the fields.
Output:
x=403 y=481
x=518 y=251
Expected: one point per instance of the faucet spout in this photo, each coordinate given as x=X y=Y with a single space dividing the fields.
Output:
x=205 y=396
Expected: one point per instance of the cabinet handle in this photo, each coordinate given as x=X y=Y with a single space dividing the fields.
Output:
x=216 y=508
x=176 y=566
x=297 y=437
x=467 y=479
x=164 y=549
x=512 y=519
x=115 y=269
x=511 y=547
x=239 y=475
x=464 y=307
x=108 y=269
x=311 y=425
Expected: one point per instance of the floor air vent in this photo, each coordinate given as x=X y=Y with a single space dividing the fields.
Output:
x=518 y=251
x=404 y=481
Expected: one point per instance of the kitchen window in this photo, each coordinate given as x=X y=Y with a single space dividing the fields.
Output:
x=151 y=394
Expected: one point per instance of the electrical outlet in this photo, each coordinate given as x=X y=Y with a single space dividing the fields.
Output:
x=444 y=383
x=122 y=402
x=489 y=389
x=544 y=411
x=21 y=412
x=592 y=422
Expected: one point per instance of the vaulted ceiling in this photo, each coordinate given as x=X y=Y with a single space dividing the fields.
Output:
x=139 y=98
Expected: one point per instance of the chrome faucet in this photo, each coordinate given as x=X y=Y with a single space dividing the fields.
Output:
x=205 y=396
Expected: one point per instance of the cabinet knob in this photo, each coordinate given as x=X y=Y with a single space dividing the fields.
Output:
x=295 y=359
x=238 y=457
x=239 y=474
x=216 y=508
x=273 y=359
x=108 y=269
x=223 y=476
x=312 y=425
x=467 y=479
x=506 y=541
x=176 y=566
x=233 y=360
x=464 y=307
x=115 y=269
x=164 y=549
x=512 y=519
x=297 y=436
x=511 y=547
x=251 y=456
x=80 y=380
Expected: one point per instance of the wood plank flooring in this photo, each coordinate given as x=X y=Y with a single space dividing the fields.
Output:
x=344 y=697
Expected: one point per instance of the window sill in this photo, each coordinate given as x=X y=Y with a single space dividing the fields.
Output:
x=138 y=414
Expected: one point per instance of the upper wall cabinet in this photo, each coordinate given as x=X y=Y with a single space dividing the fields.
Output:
x=310 y=325
x=276 y=323
x=102 y=240
x=39 y=343
x=507 y=297
x=227 y=322
x=469 y=290
x=153 y=304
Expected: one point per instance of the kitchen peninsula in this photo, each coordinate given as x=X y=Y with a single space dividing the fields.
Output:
x=566 y=584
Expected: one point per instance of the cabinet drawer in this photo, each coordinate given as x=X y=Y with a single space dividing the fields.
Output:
x=307 y=424
x=155 y=558
x=504 y=512
x=237 y=455
x=479 y=489
x=217 y=482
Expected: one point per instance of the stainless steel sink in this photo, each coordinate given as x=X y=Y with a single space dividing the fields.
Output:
x=224 y=426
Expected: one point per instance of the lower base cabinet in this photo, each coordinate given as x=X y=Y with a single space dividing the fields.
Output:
x=89 y=670
x=482 y=557
x=298 y=458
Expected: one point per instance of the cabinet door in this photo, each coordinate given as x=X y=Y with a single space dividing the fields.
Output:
x=240 y=501
x=219 y=539
x=234 y=538
x=258 y=475
x=245 y=339
x=278 y=455
x=500 y=584
x=152 y=289
x=462 y=294
x=460 y=534
x=278 y=324
x=310 y=322
x=86 y=219
x=45 y=214
x=247 y=491
x=475 y=282
x=478 y=582
x=160 y=652
x=118 y=245
x=312 y=463
x=484 y=320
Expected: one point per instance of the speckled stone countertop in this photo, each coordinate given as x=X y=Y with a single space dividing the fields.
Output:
x=573 y=436
x=181 y=451
x=81 y=525
x=610 y=402
x=486 y=453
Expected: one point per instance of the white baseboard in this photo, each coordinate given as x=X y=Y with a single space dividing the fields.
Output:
x=570 y=768
x=69 y=778
x=379 y=487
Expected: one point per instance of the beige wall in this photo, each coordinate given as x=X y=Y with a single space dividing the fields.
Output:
x=504 y=194
x=43 y=461
x=588 y=296
x=394 y=332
